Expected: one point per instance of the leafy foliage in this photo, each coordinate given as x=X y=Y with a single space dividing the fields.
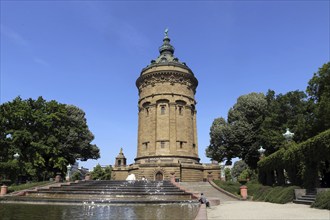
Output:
x=238 y=136
x=259 y=192
x=47 y=136
x=238 y=168
x=322 y=200
x=228 y=174
x=76 y=176
x=257 y=120
x=100 y=173
x=291 y=110
x=319 y=91
x=302 y=161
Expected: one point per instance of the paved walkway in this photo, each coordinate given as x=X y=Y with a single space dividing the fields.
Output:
x=264 y=210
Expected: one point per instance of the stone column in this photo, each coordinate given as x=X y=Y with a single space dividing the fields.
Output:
x=244 y=193
x=4 y=190
x=58 y=178
x=88 y=176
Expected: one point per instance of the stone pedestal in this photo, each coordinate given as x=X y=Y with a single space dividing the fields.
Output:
x=88 y=177
x=244 y=193
x=58 y=178
x=4 y=190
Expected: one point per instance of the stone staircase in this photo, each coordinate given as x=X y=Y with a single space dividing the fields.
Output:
x=306 y=199
x=208 y=190
x=103 y=191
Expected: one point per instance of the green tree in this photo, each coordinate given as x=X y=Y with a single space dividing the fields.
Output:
x=220 y=135
x=47 y=136
x=76 y=176
x=238 y=168
x=107 y=173
x=228 y=174
x=100 y=173
x=291 y=110
x=238 y=137
x=319 y=92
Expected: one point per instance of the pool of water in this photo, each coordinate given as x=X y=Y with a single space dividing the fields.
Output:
x=93 y=211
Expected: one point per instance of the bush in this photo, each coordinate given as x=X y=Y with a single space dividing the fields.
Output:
x=232 y=187
x=322 y=200
x=5 y=182
x=76 y=176
x=259 y=192
x=13 y=188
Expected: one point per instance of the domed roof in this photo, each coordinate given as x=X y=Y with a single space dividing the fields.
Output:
x=166 y=55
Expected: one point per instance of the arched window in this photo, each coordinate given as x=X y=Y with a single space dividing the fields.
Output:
x=159 y=176
x=162 y=109
x=180 y=110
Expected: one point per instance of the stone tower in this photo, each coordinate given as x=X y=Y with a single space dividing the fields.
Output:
x=167 y=113
x=167 y=135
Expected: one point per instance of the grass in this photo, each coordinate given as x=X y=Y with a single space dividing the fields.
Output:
x=14 y=188
x=259 y=192
x=322 y=200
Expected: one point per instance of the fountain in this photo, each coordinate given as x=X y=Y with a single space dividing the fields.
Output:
x=101 y=199
x=104 y=191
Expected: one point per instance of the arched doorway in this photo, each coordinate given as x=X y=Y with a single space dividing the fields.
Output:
x=159 y=176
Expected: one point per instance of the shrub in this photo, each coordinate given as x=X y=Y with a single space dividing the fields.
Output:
x=13 y=188
x=76 y=176
x=322 y=200
x=232 y=187
x=259 y=192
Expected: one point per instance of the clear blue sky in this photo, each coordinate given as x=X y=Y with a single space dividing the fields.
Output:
x=89 y=54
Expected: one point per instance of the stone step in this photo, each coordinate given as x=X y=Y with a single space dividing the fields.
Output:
x=309 y=197
x=304 y=202
x=110 y=190
x=104 y=193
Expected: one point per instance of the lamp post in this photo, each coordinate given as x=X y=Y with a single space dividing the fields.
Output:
x=68 y=176
x=261 y=151
x=288 y=135
x=16 y=156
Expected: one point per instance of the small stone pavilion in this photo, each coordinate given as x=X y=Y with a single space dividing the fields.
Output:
x=167 y=134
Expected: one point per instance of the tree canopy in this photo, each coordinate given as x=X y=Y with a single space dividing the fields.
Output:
x=260 y=120
x=100 y=173
x=46 y=135
x=238 y=136
x=319 y=92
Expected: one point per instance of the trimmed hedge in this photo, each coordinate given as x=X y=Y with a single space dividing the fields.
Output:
x=302 y=162
x=14 y=188
x=322 y=200
x=260 y=192
x=232 y=187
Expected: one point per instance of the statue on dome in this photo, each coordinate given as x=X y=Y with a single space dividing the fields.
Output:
x=166 y=32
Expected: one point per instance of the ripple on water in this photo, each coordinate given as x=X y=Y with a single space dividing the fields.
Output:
x=89 y=210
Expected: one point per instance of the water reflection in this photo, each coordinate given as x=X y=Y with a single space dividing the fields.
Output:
x=93 y=211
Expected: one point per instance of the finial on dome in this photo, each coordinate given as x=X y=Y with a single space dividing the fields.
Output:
x=166 y=47
x=166 y=33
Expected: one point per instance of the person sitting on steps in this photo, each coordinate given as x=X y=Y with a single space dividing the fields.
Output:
x=203 y=200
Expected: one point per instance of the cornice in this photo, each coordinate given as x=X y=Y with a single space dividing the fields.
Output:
x=170 y=76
